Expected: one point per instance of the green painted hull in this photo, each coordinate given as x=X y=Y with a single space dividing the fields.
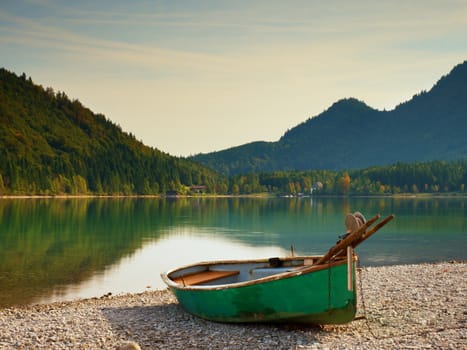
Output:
x=311 y=297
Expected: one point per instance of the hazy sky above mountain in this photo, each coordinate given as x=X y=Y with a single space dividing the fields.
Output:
x=198 y=76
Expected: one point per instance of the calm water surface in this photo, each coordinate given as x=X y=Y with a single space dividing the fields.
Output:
x=63 y=249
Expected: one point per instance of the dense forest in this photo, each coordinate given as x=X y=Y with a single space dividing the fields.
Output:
x=351 y=135
x=431 y=177
x=51 y=145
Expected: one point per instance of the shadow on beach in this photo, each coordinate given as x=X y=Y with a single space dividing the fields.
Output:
x=169 y=326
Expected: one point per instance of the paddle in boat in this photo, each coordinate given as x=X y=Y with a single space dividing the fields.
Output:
x=296 y=289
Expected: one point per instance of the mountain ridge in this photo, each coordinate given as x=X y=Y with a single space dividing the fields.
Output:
x=350 y=134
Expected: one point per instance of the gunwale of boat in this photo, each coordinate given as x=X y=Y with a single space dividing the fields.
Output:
x=293 y=272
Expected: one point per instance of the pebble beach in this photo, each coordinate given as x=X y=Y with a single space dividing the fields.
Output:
x=400 y=307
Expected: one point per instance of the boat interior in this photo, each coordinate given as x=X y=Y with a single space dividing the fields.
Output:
x=235 y=272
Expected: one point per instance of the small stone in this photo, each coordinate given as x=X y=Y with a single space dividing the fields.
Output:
x=130 y=345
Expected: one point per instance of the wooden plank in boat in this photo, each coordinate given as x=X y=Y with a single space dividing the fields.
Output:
x=204 y=276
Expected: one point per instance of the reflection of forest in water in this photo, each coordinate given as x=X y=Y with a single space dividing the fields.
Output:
x=49 y=243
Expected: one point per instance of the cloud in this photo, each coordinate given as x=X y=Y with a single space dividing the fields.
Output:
x=254 y=38
x=31 y=34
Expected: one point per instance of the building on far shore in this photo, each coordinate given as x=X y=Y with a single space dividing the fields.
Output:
x=198 y=188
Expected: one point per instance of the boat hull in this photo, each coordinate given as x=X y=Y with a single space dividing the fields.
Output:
x=320 y=296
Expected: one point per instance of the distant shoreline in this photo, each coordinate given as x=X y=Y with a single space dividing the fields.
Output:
x=255 y=195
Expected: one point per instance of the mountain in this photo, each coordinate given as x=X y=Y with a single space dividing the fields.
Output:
x=352 y=135
x=50 y=144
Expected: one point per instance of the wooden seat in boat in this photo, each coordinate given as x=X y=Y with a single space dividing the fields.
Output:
x=203 y=277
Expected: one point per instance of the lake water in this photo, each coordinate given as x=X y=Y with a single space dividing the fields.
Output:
x=63 y=249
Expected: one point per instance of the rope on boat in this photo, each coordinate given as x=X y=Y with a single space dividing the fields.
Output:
x=359 y=268
x=329 y=284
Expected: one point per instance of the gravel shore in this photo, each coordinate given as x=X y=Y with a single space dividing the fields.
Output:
x=407 y=307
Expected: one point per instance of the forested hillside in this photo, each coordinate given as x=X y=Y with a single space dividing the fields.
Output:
x=351 y=135
x=50 y=144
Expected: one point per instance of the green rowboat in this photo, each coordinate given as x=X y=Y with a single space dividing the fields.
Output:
x=296 y=289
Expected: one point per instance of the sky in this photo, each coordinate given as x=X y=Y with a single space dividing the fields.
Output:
x=196 y=76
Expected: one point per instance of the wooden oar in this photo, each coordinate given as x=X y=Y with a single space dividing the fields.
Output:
x=344 y=243
x=373 y=230
x=368 y=233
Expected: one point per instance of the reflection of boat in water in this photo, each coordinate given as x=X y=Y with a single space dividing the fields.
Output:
x=304 y=289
